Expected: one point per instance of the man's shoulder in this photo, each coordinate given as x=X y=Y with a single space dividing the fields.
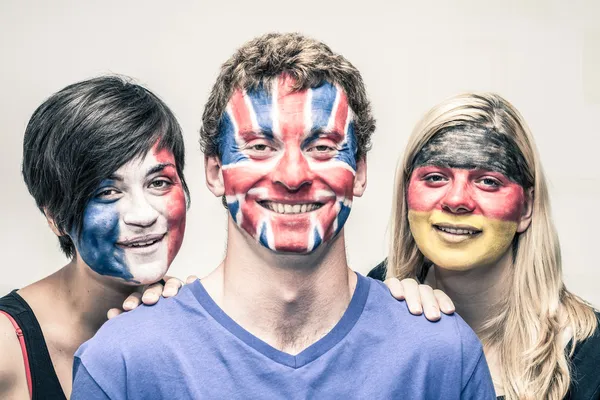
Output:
x=450 y=330
x=144 y=327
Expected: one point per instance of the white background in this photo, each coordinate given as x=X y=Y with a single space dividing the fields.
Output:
x=543 y=56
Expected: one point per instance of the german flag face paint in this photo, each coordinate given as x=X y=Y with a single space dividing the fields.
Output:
x=464 y=201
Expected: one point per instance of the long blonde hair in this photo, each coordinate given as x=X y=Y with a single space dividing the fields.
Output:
x=526 y=330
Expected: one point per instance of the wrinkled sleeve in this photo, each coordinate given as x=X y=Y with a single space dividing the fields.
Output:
x=479 y=385
x=84 y=385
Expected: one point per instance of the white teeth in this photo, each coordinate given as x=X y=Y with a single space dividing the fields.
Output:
x=140 y=244
x=457 y=231
x=290 y=209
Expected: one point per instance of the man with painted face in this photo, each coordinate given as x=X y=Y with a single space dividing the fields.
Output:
x=103 y=159
x=285 y=133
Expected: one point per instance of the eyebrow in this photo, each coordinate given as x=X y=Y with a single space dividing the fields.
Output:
x=159 y=167
x=318 y=133
x=262 y=133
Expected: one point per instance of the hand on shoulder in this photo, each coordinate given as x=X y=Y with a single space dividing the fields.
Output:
x=151 y=294
x=421 y=298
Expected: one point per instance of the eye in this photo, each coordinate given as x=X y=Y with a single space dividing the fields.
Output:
x=491 y=182
x=321 y=148
x=259 y=149
x=434 y=178
x=107 y=194
x=160 y=184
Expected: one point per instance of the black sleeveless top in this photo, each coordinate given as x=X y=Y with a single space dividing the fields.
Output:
x=44 y=382
x=585 y=363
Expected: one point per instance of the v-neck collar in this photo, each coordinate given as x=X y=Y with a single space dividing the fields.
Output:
x=311 y=353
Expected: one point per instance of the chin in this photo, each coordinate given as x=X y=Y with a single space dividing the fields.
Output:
x=145 y=274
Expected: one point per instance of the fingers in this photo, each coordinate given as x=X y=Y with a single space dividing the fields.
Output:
x=444 y=302
x=191 y=279
x=152 y=293
x=113 y=312
x=132 y=301
x=396 y=288
x=172 y=287
x=429 y=303
x=412 y=296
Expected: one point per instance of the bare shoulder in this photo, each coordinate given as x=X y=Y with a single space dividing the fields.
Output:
x=13 y=381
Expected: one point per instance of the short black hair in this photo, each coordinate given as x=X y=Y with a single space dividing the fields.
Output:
x=84 y=133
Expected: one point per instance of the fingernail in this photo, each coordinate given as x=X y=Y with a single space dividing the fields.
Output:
x=150 y=296
x=128 y=304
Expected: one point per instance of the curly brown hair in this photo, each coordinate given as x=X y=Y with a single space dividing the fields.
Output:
x=308 y=61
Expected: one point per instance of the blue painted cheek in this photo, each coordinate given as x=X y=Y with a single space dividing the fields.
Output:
x=228 y=149
x=262 y=103
x=233 y=209
x=323 y=99
x=348 y=151
x=96 y=244
x=342 y=217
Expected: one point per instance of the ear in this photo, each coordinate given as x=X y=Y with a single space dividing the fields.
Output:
x=527 y=213
x=360 y=178
x=214 y=175
x=52 y=224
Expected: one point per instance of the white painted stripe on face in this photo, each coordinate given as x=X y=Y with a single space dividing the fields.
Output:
x=259 y=192
x=325 y=165
x=334 y=110
x=323 y=195
x=308 y=119
x=251 y=111
x=349 y=119
x=236 y=129
x=275 y=107
x=253 y=165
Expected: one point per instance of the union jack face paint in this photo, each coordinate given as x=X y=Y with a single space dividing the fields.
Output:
x=288 y=161
x=133 y=226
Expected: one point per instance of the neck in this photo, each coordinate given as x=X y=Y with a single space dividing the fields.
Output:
x=86 y=296
x=476 y=293
x=288 y=301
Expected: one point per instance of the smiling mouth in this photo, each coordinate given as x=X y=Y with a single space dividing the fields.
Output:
x=142 y=241
x=281 y=208
x=457 y=230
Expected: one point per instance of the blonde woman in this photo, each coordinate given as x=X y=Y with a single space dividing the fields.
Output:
x=471 y=217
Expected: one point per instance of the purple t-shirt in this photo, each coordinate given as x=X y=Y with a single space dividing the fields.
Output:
x=187 y=347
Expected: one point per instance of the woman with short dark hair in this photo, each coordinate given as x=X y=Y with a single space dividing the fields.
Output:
x=103 y=159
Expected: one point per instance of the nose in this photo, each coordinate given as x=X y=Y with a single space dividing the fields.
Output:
x=293 y=171
x=458 y=198
x=139 y=212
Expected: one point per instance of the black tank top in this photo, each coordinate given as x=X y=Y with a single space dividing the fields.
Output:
x=44 y=382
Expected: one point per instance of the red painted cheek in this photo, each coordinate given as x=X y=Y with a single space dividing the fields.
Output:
x=506 y=204
x=340 y=180
x=421 y=197
x=176 y=216
x=240 y=180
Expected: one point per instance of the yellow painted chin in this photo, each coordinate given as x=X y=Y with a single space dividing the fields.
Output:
x=452 y=252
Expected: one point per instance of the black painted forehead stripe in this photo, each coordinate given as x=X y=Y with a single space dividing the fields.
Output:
x=468 y=147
